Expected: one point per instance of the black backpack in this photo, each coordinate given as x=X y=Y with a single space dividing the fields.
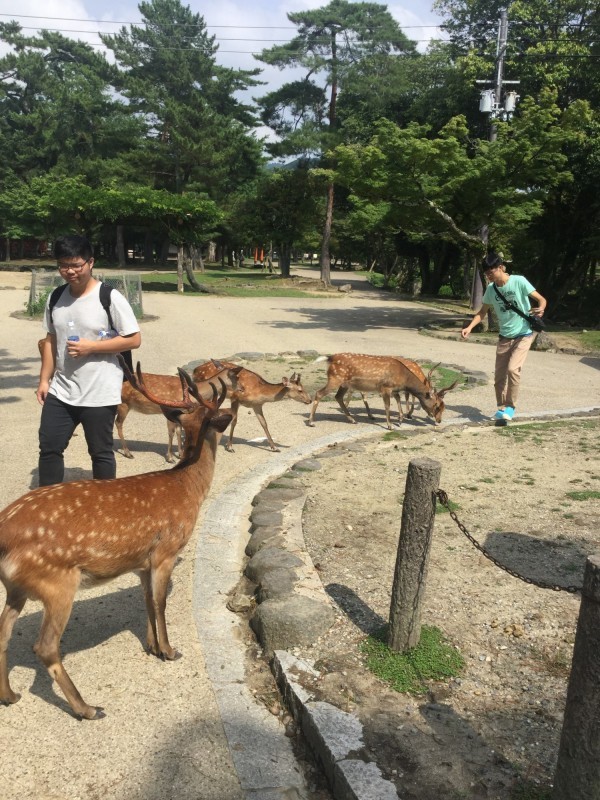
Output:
x=105 y=293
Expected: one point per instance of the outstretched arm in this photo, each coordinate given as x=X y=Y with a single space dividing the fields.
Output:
x=479 y=316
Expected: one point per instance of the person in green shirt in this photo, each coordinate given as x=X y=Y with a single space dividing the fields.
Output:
x=516 y=335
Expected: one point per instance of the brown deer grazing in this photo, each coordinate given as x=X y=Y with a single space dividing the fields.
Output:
x=409 y=399
x=383 y=374
x=168 y=387
x=253 y=392
x=57 y=538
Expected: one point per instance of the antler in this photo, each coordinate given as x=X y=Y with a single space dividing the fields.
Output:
x=432 y=370
x=217 y=399
x=138 y=383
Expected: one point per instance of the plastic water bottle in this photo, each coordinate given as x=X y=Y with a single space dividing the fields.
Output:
x=103 y=335
x=72 y=335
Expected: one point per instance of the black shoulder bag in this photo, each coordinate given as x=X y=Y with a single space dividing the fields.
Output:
x=536 y=323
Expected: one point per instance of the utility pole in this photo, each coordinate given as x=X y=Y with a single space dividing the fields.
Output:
x=499 y=105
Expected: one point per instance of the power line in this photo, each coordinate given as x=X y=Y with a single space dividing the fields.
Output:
x=141 y=22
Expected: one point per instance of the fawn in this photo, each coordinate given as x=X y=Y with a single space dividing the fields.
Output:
x=57 y=538
x=252 y=392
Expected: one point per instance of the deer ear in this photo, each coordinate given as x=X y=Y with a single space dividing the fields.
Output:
x=285 y=381
x=222 y=421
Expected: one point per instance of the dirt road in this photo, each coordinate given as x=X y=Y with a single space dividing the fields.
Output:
x=163 y=736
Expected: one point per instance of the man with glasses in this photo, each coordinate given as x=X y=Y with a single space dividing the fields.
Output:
x=80 y=378
x=515 y=332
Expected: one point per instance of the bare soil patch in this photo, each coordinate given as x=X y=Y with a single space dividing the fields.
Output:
x=494 y=731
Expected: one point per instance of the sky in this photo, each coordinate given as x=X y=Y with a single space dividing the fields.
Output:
x=241 y=27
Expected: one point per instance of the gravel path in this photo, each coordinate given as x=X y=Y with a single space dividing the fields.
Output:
x=162 y=736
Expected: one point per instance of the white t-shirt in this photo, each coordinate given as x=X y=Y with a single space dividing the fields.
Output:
x=95 y=380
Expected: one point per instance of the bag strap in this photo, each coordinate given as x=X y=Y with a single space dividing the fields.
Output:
x=105 y=293
x=508 y=305
x=55 y=297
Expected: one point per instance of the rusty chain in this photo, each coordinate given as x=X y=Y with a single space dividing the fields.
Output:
x=443 y=499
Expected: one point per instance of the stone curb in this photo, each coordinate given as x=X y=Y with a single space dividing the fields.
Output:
x=262 y=755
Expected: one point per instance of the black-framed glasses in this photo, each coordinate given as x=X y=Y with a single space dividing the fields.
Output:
x=74 y=267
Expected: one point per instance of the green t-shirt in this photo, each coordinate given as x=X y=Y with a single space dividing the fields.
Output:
x=516 y=290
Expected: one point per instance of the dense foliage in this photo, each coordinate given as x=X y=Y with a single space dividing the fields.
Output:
x=394 y=169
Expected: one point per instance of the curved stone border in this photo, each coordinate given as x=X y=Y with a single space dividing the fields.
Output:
x=263 y=756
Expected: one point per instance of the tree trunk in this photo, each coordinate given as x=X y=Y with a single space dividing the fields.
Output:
x=212 y=253
x=121 y=245
x=325 y=255
x=285 y=257
x=7 y=250
x=180 y=268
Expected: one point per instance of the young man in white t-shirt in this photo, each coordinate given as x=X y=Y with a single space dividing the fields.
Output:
x=80 y=378
x=515 y=332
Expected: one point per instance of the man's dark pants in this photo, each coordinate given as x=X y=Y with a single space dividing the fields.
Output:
x=57 y=425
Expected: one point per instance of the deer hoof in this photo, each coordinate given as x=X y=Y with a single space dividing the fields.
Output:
x=91 y=712
x=127 y=454
x=229 y=448
x=171 y=655
x=10 y=699
x=275 y=449
x=310 y=424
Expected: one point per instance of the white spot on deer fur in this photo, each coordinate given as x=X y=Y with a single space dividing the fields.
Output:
x=41 y=530
x=8 y=568
x=28 y=534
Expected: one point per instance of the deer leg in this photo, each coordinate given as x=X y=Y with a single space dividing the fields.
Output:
x=319 y=395
x=171 y=428
x=57 y=610
x=235 y=404
x=364 y=399
x=151 y=633
x=409 y=400
x=261 y=418
x=339 y=396
x=399 y=403
x=122 y=411
x=15 y=601
x=159 y=576
x=386 y=394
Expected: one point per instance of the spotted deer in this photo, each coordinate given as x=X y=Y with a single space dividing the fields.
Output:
x=169 y=387
x=57 y=538
x=409 y=400
x=383 y=374
x=253 y=392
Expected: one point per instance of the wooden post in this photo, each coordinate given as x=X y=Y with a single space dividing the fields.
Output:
x=578 y=769
x=418 y=514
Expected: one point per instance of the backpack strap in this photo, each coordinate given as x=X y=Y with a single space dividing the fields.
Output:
x=55 y=297
x=105 y=293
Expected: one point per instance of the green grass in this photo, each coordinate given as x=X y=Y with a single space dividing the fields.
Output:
x=433 y=659
x=231 y=283
x=440 y=509
x=587 y=495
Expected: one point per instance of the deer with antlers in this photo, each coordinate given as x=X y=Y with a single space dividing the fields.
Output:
x=169 y=388
x=383 y=374
x=253 y=392
x=57 y=538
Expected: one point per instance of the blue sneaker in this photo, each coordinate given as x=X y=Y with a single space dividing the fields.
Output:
x=499 y=414
x=508 y=413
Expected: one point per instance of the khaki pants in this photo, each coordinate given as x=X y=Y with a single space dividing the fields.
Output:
x=510 y=357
